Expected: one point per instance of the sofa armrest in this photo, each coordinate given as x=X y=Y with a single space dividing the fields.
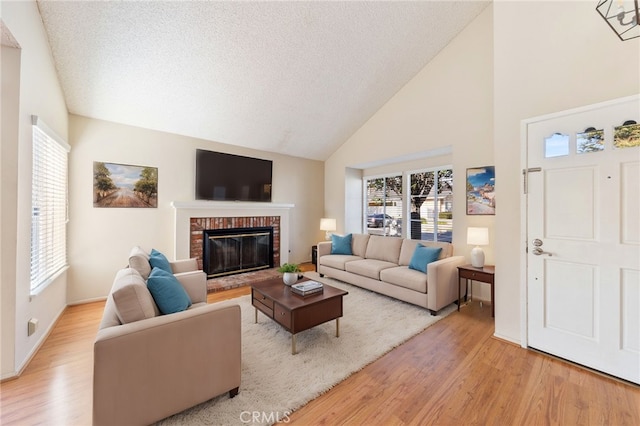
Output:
x=195 y=283
x=442 y=282
x=184 y=265
x=150 y=369
x=324 y=248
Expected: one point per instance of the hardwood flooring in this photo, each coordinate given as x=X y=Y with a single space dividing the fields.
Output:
x=453 y=373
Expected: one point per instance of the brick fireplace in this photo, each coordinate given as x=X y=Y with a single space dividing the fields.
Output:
x=192 y=218
x=198 y=226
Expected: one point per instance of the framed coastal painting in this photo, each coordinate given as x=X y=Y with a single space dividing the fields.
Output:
x=481 y=190
x=123 y=185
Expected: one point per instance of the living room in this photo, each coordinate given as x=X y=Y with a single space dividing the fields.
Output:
x=514 y=61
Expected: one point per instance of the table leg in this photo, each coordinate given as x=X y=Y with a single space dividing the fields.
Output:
x=293 y=344
x=466 y=289
x=256 y=315
x=458 y=294
x=337 y=327
x=493 y=309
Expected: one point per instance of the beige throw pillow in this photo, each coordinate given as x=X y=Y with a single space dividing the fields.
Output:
x=132 y=298
x=139 y=260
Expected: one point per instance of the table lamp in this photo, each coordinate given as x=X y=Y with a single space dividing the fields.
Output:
x=327 y=225
x=477 y=237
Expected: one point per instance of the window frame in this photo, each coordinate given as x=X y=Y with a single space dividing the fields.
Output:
x=365 y=200
x=49 y=208
x=437 y=195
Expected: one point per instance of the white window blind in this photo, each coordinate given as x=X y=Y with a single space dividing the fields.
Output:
x=48 y=205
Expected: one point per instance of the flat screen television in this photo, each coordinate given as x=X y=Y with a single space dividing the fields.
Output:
x=228 y=177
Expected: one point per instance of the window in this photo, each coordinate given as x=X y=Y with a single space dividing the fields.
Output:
x=429 y=205
x=384 y=206
x=48 y=206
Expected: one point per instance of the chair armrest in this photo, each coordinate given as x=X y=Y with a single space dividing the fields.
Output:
x=147 y=370
x=184 y=265
x=442 y=279
x=324 y=248
x=195 y=283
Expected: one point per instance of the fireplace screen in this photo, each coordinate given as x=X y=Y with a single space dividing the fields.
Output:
x=236 y=250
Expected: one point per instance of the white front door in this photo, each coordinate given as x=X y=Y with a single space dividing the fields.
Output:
x=583 y=237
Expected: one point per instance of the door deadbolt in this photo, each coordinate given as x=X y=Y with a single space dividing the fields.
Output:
x=537 y=242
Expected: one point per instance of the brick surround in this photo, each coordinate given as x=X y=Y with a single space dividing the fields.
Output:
x=199 y=224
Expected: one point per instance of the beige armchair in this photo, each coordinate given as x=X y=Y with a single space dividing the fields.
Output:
x=149 y=366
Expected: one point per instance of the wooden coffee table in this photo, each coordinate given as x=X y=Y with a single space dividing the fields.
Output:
x=296 y=313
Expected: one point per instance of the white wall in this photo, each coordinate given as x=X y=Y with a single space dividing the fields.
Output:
x=100 y=238
x=548 y=57
x=446 y=107
x=40 y=94
x=9 y=199
x=518 y=59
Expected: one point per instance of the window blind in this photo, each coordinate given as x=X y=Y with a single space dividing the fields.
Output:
x=49 y=205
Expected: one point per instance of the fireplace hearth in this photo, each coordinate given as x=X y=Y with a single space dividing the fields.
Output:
x=236 y=250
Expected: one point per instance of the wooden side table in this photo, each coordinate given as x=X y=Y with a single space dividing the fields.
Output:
x=485 y=274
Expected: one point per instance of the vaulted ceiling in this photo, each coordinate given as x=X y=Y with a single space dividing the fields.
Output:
x=296 y=78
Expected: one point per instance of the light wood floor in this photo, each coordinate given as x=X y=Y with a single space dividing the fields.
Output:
x=453 y=373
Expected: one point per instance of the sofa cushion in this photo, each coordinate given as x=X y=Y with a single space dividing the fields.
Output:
x=139 y=260
x=341 y=244
x=112 y=312
x=423 y=256
x=402 y=276
x=368 y=267
x=384 y=248
x=131 y=298
x=359 y=244
x=409 y=247
x=337 y=261
x=159 y=260
x=167 y=292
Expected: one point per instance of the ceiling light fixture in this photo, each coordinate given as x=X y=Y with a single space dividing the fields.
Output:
x=623 y=17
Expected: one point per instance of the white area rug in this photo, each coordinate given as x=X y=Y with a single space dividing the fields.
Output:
x=275 y=383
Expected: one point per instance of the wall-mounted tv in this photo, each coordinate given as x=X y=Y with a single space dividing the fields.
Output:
x=228 y=177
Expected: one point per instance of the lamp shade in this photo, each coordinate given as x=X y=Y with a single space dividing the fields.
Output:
x=327 y=224
x=478 y=236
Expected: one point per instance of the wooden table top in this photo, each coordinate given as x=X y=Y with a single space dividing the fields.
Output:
x=275 y=289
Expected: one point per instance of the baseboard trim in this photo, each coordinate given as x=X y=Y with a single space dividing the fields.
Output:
x=85 y=301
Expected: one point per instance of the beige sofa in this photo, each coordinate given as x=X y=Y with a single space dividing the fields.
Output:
x=149 y=366
x=381 y=264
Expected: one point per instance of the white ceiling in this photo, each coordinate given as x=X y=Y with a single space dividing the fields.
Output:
x=297 y=78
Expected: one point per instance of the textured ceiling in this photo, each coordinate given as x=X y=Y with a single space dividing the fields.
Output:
x=296 y=78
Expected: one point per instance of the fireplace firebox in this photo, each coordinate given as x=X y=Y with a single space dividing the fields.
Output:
x=237 y=250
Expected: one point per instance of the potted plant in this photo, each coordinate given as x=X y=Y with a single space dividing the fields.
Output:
x=289 y=273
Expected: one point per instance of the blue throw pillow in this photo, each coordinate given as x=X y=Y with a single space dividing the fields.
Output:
x=159 y=260
x=422 y=256
x=167 y=292
x=341 y=245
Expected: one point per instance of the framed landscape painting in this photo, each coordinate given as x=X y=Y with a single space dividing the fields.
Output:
x=123 y=185
x=481 y=190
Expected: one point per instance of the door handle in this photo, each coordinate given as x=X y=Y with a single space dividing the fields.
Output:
x=537 y=251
